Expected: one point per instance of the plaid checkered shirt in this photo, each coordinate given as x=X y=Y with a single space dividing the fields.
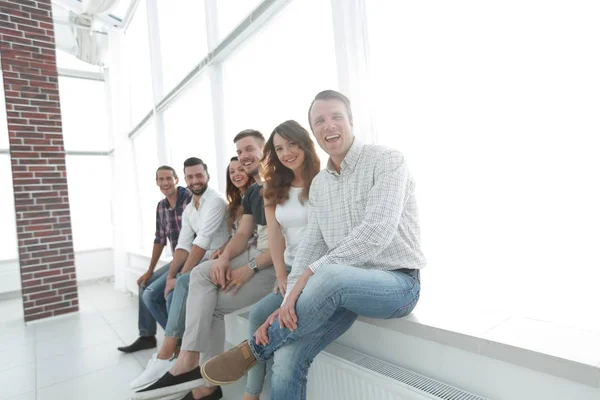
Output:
x=365 y=216
x=168 y=220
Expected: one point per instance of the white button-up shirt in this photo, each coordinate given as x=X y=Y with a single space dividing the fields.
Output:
x=365 y=216
x=206 y=226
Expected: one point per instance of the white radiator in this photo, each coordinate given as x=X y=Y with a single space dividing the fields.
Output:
x=344 y=374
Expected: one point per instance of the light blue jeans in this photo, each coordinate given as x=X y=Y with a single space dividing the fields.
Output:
x=146 y=321
x=176 y=301
x=328 y=306
x=258 y=315
x=153 y=305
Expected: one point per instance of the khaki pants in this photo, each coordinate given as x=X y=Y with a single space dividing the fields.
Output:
x=207 y=305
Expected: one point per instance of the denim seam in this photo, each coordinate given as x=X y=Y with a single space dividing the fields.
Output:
x=306 y=366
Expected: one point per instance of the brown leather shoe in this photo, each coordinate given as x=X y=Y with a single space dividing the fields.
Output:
x=230 y=366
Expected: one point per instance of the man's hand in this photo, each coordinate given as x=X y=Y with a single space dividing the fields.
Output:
x=142 y=279
x=262 y=333
x=220 y=273
x=239 y=276
x=281 y=284
x=170 y=285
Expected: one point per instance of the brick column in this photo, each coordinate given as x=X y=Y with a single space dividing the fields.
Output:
x=46 y=257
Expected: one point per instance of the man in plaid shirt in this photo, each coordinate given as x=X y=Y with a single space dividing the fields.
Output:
x=168 y=226
x=360 y=255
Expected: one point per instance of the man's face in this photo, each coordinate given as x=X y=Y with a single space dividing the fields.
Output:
x=249 y=153
x=166 y=182
x=331 y=127
x=196 y=179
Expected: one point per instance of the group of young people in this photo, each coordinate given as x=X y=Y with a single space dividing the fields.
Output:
x=309 y=250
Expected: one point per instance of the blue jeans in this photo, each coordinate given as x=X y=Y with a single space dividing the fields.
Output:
x=329 y=304
x=258 y=315
x=154 y=298
x=176 y=301
x=146 y=320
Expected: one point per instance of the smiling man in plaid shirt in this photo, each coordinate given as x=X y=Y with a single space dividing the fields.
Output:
x=360 y=256
x=168 y=225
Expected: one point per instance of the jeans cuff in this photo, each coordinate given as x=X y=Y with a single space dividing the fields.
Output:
x=255 y=349
x=252 y=392
x=147 y=333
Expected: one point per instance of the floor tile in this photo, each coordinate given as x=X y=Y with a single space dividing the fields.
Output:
x=78 y=341
x=26 y=396
x=74 y=364
x=74 y=324
x=17 y=381
x=109 y=383
x=16 y=356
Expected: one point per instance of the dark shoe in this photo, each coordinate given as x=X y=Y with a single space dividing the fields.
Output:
x=142 y=343
x=171 y=384
x=230 y=366
x=216 y=395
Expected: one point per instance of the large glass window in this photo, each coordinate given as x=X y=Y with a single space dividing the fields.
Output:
x=84 y=114
x=146 y=163
x=231 y=12
x=495 y=106
x=182 y=28
x=189 y=128
x=90 y=193
x=276 y=75
x=138 y=60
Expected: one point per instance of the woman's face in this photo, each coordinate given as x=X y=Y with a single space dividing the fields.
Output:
x=237 y=174
x=289 y=152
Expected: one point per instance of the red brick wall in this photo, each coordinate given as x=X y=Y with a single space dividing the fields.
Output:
x=37 y=153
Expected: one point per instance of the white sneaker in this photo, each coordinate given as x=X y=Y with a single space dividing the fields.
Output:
x=154 y=370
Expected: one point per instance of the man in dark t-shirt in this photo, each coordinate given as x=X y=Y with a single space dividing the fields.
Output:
x=240 y=277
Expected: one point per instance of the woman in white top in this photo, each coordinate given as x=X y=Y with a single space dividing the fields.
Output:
x=290 y=164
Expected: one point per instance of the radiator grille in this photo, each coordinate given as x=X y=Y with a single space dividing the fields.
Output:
x=335 y=379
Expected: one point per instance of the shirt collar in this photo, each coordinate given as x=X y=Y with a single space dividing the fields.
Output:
x=181 y=196
x=349 y=162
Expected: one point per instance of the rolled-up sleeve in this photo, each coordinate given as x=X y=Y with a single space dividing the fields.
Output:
x=186 y=236
x=213 y=215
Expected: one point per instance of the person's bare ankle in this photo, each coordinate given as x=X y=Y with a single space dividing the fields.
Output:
x=250 y=397
x=203 y=391
x=167 y=349
x=187 y=361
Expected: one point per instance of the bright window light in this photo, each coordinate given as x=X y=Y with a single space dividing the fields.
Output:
x=495 y=106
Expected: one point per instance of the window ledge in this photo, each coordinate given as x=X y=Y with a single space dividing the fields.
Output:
x=562 y=351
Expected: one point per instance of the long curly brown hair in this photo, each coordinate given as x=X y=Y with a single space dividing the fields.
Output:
x=278 y=178
x=234 y=197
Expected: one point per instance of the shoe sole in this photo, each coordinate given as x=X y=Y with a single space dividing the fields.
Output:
x=214 y=382
x=168 y=391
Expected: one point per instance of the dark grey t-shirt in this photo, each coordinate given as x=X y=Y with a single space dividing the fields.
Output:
x=254 y=204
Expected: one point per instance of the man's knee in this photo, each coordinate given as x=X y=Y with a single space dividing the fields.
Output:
x=202 y=271
x=182 y=282
x=148 y=296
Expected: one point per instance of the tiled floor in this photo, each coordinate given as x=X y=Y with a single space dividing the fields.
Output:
x=74 y=357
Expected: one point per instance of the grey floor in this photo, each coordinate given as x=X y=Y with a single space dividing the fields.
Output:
x=75 y=357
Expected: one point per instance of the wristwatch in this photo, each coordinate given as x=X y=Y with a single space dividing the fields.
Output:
x=253 y=266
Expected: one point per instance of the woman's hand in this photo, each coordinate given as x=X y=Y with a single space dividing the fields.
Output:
x=281 y=284
x=262 y=333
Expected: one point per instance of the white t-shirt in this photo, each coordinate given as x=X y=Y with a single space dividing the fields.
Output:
x=293 y=218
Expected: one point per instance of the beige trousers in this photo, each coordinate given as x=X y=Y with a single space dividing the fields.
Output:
x=207 y=304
